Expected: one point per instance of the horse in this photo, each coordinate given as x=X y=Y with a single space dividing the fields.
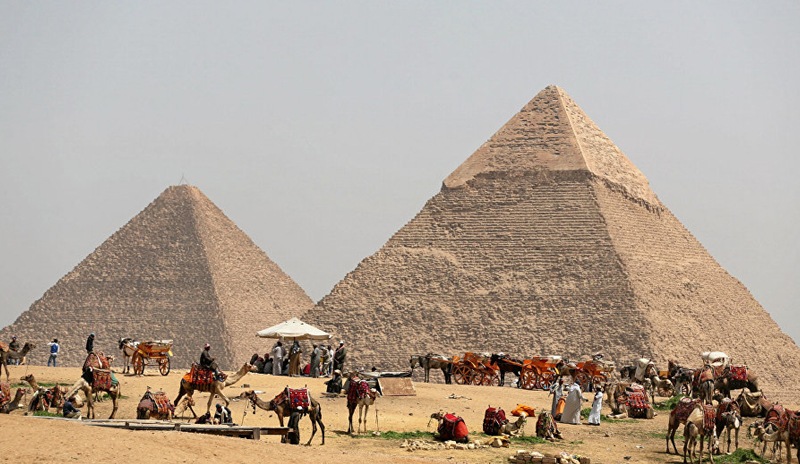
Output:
x=128 y=347
x=507 y=364
x=433 y=361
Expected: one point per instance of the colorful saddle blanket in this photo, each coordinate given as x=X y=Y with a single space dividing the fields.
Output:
x=739 y=373
x=202 y=375
x=638 y=400
x=359 y=389
x=493 y=420
x=684 y=408
x=727 y=405
x=298 y=399
x=103 y=379
x=5 y=392
x=161 y=401
x=96 y=360
x=545 y=425
x=709 y=417
x=776 y=415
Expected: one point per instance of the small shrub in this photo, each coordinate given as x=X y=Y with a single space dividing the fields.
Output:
x=585 y=413
x=740 y=455
x=669 y=404
x=46 y=414
x=531 y=440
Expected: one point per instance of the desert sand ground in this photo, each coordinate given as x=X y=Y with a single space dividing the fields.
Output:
x=29 y=439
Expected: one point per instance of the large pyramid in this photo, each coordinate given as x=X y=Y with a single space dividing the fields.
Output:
x=548 y=240
x=179 y=270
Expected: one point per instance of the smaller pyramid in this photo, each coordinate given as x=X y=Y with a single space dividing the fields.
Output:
x=178 y=270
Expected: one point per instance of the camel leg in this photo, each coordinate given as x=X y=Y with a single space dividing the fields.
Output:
x=313 y=417
x=366 y=410
x=182 y=391
x=114 y=396
x=351 y=410
x=5 y=365
x=210 y=400
x=377 y=427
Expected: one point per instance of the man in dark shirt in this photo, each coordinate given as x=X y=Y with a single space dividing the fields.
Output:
x=90 y=343
x=69 y=409
x=223 y=415
x=208 y=361
x=13 y=346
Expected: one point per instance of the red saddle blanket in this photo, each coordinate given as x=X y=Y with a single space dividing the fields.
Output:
x=739 y=373
x=201 y=375
x=794 y=429
x=5 y=392
x=776 y=415
x=103 y=379
x=638 y=400
x=453 y=427
x=493 y=419
x=298 y=399
x=709 y=417
x=96 y=360
x=684 y=408
x=359 y=389
x=162 y=402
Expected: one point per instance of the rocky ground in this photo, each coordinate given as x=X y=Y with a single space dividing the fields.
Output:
x=30 y=439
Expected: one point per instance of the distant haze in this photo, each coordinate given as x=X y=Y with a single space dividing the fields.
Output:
x=320 y=129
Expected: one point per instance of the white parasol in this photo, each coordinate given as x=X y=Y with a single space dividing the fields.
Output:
x=295 y=329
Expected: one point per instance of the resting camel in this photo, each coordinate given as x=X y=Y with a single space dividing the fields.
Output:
x=88 y=389
x=43 y=398
x=516 y=427
x=359 y=394
x=215 y=387
x=433 y=361
x=148 y=408
x=280 y=404
x=6 y=354
x=128 y=347
x=6 y=408
x=726 y=382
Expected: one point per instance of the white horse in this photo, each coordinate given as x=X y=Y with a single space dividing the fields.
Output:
x=128 y=347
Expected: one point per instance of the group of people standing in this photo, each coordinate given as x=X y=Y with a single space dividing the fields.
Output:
x=568 y=400
x=281 y=360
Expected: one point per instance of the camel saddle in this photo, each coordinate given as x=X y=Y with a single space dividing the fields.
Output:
x=493 y=419
x=159 y=400
x=298 y=399
x=738 y=373
x=638 y=400
x=777 y=415
x=103 y=379
x=709 y=417
x=684 y=408
x=199 y=375
x=5 y=393
x=546 y=426
x=727 y=405
x=794 y=429
x=96 y=360
x=359 y=389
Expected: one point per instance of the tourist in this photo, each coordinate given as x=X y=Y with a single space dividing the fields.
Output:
x=54 y=347
x=325 y=360
x=294 y=359
x=329 y=372
x=335 y=382
x=315 y=357
x=572 y=408
x=267 y=364
x=277 y=358
x=69 y=411
x=597 y=405
x=90 y=343
x=339 y=356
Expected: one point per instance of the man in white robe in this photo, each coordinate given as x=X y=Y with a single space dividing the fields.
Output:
x=572 y=409
x=597 y=405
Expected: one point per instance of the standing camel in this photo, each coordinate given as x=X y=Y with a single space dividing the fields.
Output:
x=6 y=354
x=704 y=381
x=102 y=380
x=359 y=394
x=786 y=434
x=701 y=423
x=679 y=414
x=433 y=361
x=280 y=404
x=729 y=417
x=215 y=387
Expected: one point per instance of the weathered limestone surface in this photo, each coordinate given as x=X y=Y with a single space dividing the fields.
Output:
x=179 y=270
x=548 y=240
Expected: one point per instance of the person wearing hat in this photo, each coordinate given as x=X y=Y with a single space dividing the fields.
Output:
x=207 y=361
x=339 y=356
x=335 y=382
x=54 y=348
x=14 y=346
x=90 y=343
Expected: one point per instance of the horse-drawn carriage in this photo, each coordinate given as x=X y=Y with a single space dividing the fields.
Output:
x=157 y=351
x=593 y=371
x=473 y=369
x=538 y=372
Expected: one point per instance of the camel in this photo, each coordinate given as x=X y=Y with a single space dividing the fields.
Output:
x=727 y=382
x=148 y=407
x=215 y=387
x=186 y=403
x=679 y=414
x=7 y=407
x=704 y=383
x=280 y=404
x=752 y=404
x=516 y=427
x=6 y=354
x=729 y=417
x=433 y=361
x=359 y=394
x=88 y=389
x=698 y=427
x=778 y=435
x=43 y=398
x=128 y=347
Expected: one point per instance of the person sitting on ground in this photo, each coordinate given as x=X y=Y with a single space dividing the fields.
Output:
x=69 y=411
x=223 y=415
x=335 y=383
x=204 y=419
x=208 y=361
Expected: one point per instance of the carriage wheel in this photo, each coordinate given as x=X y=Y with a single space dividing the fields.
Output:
x=546 y=380
x=527 y=378
x=461 y=374
x=138 y=364
x=477 y=377
x=163 y=366
x=492 y=380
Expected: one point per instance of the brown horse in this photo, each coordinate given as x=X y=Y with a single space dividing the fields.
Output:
x=433 y=361
x=506 y=363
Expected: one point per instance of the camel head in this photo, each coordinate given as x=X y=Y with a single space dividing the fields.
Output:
x=27 y=378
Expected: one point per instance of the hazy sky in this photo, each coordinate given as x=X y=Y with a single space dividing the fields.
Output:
x=321 y=128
